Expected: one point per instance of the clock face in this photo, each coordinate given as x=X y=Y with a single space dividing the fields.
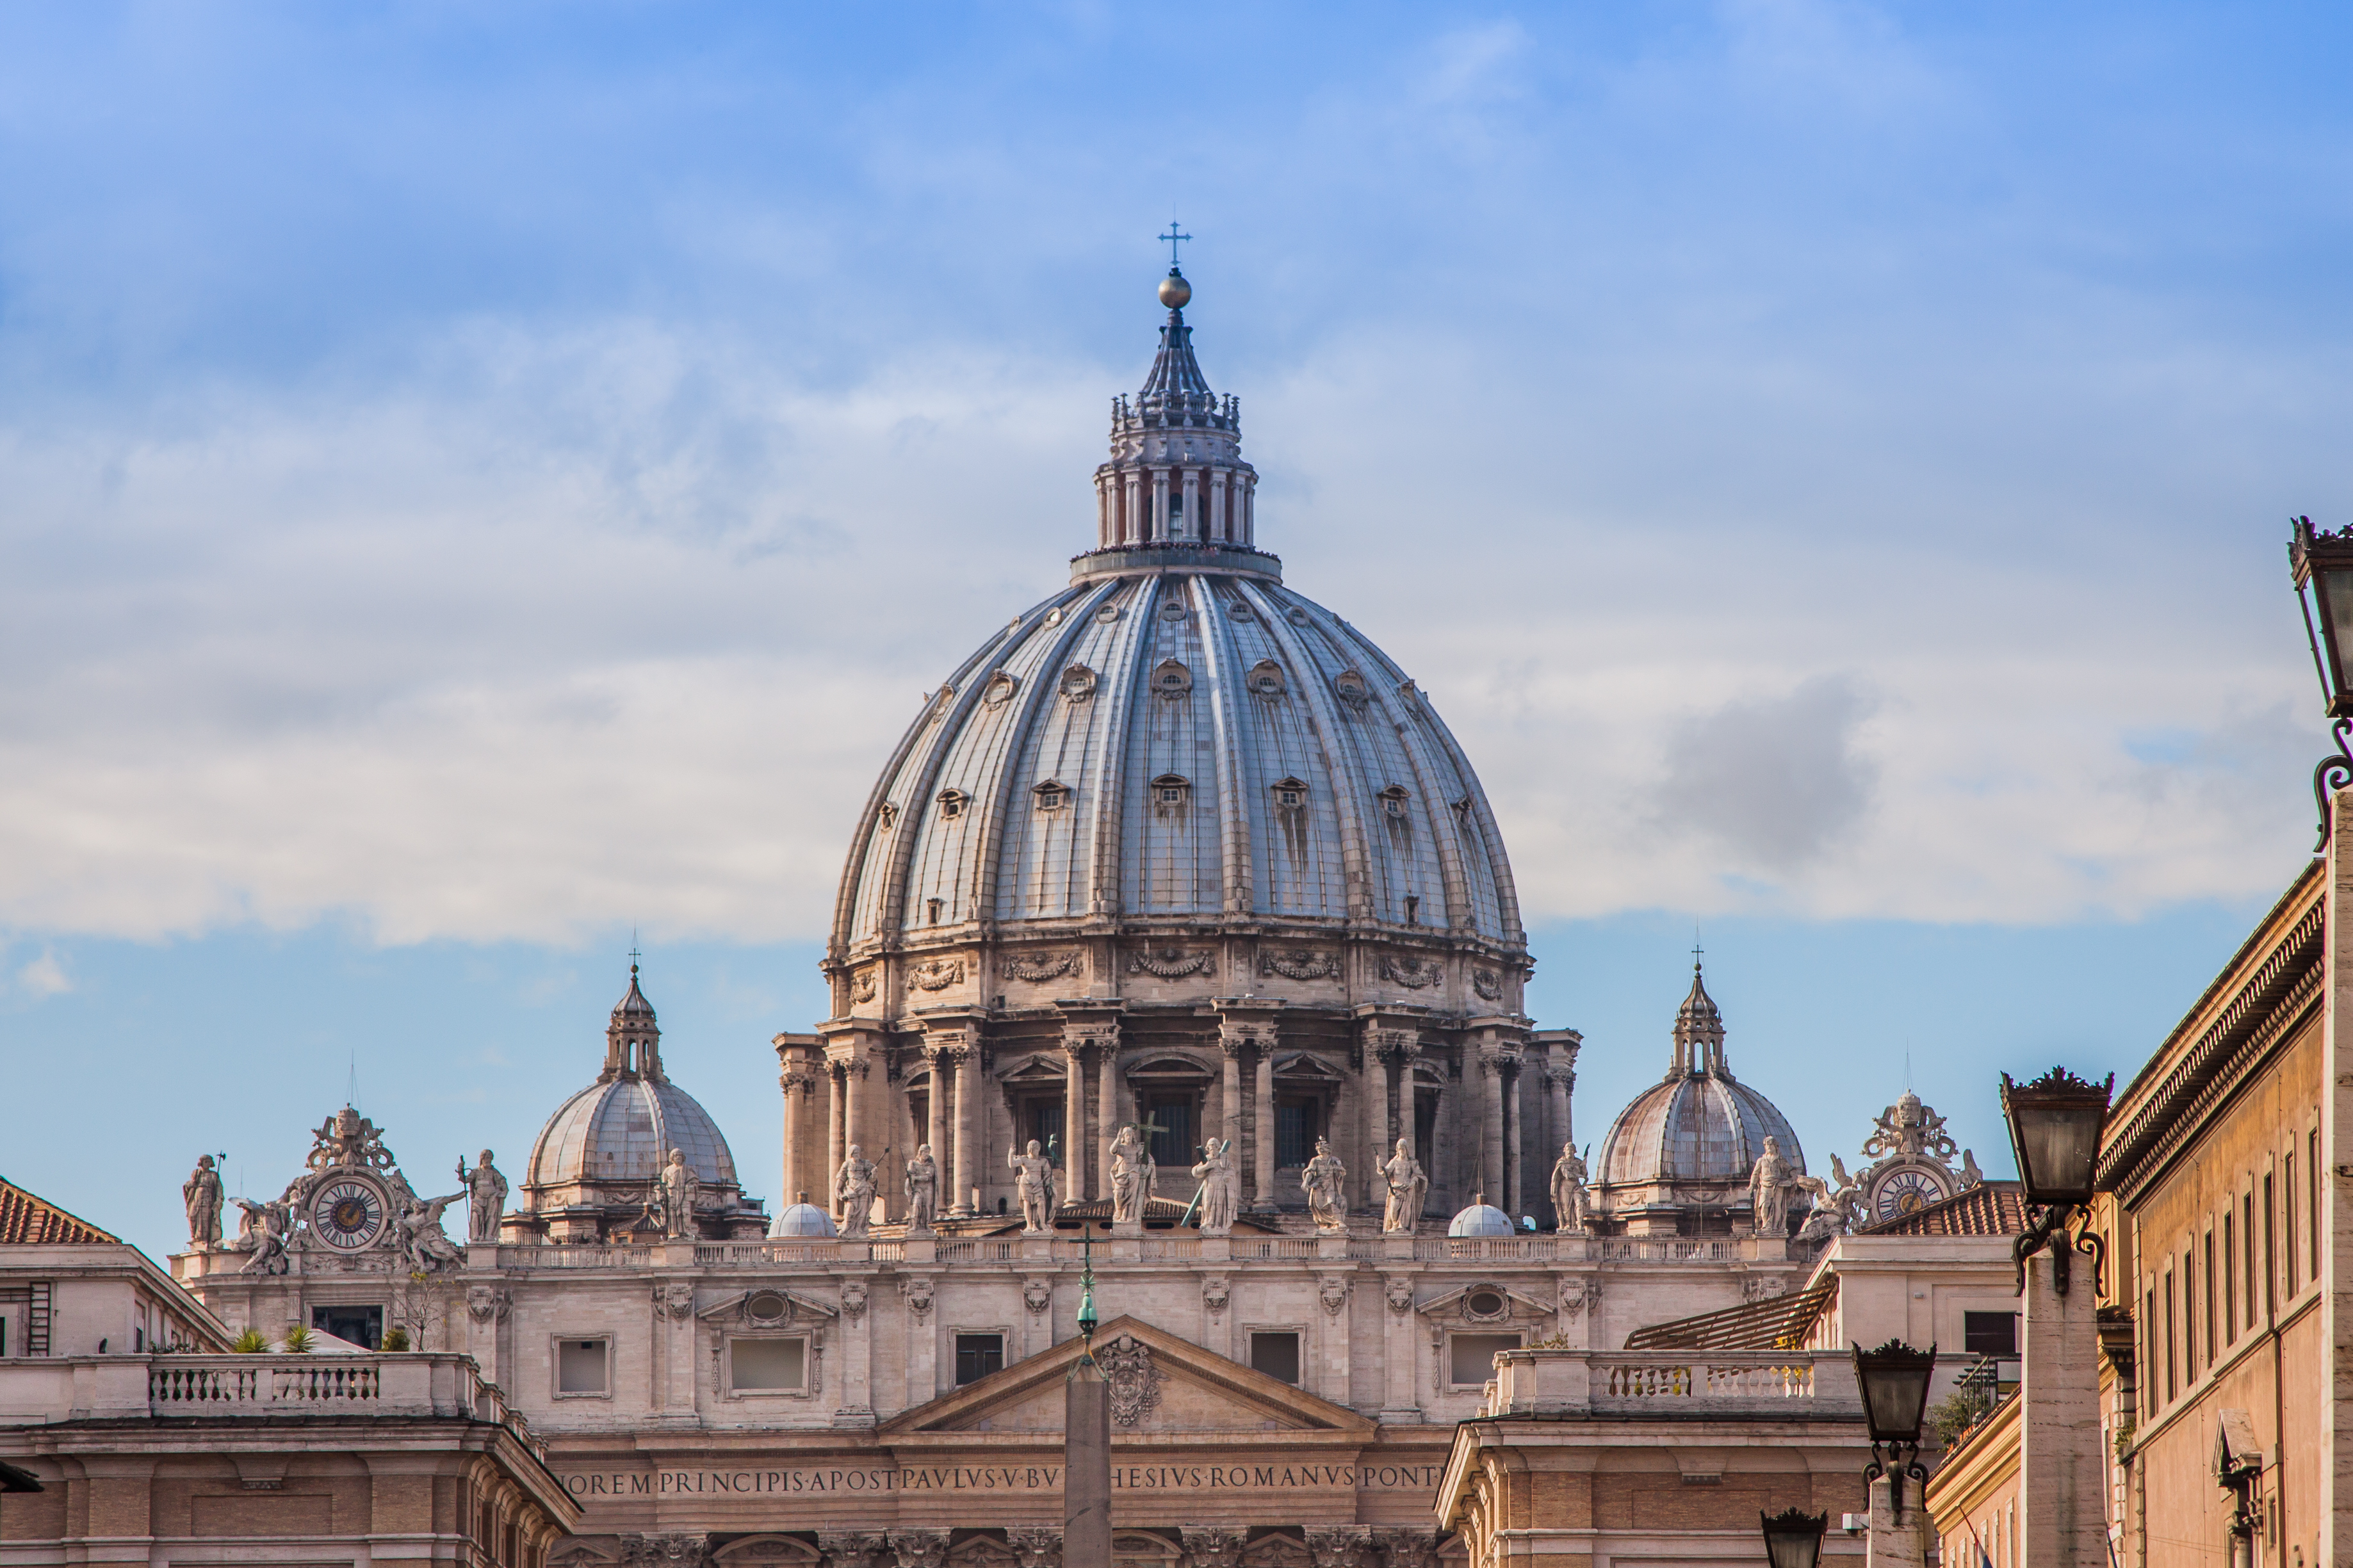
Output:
x=348 y=1213
x=1906 y=1192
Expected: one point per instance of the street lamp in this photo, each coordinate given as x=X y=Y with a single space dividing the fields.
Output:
x=2055 y=1123
x=2322 y=562
x=1793 y=1538
x=1894 y=1380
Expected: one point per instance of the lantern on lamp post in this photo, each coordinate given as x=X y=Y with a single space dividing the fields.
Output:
x=1895 y=1381
x=1793 y=1538
x=2322 y=566
x=2055 y=1124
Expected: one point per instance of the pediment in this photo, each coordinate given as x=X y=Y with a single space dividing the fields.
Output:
x=1460 y=1303
x=753 y=1309
x=1165 y=1385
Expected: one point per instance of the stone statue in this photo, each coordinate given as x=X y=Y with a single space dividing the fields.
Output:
x=853 y=1187
x=679 y=1190
x=202 y=1193
x=424 y=1246
x=1970 y=1174
x=1770 y=1182
x=1034 y=1182
x=1408 y=1186
x=923 y=1183
x=486 y=1192
x=1326 y=1183
x=1569 y=1199
x=1217 y=1176
x=1830 y=1216
x=1132 y=1175
x=263 y=1230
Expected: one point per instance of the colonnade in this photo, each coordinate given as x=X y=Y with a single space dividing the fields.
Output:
x=1132 y=505
x=1506 y=1116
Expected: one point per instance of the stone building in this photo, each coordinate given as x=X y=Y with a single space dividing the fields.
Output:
x=1177 y=865
x=129 y=1434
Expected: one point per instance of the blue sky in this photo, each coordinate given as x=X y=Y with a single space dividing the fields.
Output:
x=479 y=480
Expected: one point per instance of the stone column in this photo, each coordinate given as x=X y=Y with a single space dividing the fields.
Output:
x=967 y=1125
x=1559 y=1081
x=1231 y=1046
x=1217 y=505
x=1377 y=1047
x=1159 y=529
x=2062 y=1517
x=1516 y=1106
x=1103 y=511
x=1491 y=1125
x=853 y=1115
x=1106 y=1109
x=935 y=1112
x=1132 y=517
x=1250 y=510
x=796 y=1080
x=1194 y=527
x=833 y=1139
x=1263 y=1110
x=1074 y=1122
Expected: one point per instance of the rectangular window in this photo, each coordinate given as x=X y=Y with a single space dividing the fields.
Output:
x=2288 y=1185
x=2170 y=1388
x=2206 y=1278
x=2311 y=1198
x=2247 y=1231
x=1294 y=1133
x=1989 y=1334
x=581 y=1366
x=2230 y=1277
x=2271 y=1257
x=1275 y=1354
x=1174 y=1132
x=977 y=1356
x=767 y=1366
x=1473 y=1355
x=1045 y=1124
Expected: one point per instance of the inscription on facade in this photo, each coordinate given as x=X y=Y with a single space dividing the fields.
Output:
x=588 y=1486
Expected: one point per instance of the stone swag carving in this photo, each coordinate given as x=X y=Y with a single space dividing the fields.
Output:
x=1300 y=964
x=936 y=973
x=1487 y=984
x=1133 y=1380
x=1172 y=962
x=1413 y=973
x=1044 y=967
x=862 y=985
x=486 y=1303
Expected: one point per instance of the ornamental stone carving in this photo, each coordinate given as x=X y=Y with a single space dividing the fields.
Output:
x=919 y=1548
x=850 y=1550
x=936 y=973
x=1036 y=1295
x=1043 y=967
x=1035 y=1546
x=1400 y=1296
x=853 y=1300
x=917 y=1291
x=674 y=1297
x=1334 y=1290
x=1300 y=964
x=1210 y=1546
x=488 y=1303
x=1341 y=1546
x=1172 y=962
x=1487 y=984
x=1133 y=1380
x=1409 y=1548
x=665 y=1551
x=862 y=985
x=1413 y=973
x=1215 y=1291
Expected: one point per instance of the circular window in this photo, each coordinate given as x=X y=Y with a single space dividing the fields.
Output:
x=768 y=1305
x=1486 y=1304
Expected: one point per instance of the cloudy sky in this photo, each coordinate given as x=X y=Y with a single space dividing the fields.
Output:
x=475 y=482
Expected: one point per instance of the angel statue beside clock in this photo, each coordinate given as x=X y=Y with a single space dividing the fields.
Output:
x=351 y=1208
x=1912 y=1168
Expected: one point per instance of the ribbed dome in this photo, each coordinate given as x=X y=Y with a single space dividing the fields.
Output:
x=623 y=1130
x=803 y=1219
x=1701 y=1126
x=1481 y=1219
x=1183 y=744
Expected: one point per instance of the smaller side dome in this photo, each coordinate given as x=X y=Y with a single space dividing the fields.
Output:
x=802 y=1219
x=1481 y=1219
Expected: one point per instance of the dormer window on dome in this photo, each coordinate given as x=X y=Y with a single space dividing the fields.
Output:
x=1171 y=789
x=952 y=804
x=1052 y=796
x=1290 y=793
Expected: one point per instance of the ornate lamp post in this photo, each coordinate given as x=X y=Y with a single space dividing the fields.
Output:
x=2322 y=564
x=2055 y=1123
x=1894 y=1380
x=1793 y=1538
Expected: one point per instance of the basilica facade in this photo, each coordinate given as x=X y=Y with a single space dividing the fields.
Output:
x=1176 y=940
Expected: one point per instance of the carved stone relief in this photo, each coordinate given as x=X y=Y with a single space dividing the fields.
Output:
x=917 y=1293
x=1215 y=1291
x=936 y=973
x=1042 y=967
x=665 y=1551
x=1172 y=962
x=1078 y=682
x=851 y=1548
x=488 y=1303
x=1036 y=1295
x=1400 y=1296
x=1334 y=1290
x=1487 y=983
x=1413 y=973
x=1341 y=1546
x=919 y=1548
x=1133 y=1381
x=1301 y=964
x=1210 y=1546
x=853 y=1300
x=862 y=985
x=674 y=1297
x=1035 y=1546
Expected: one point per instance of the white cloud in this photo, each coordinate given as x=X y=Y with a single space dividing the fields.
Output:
x=45 y=977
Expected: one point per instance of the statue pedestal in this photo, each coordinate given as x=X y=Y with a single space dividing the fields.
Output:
x=1127 y=1226
x=483 y=1255
x=1768 y=1248
x=1037 y=1243
x=1127 y=1246
x=1332 y=1244
x=676 y=1254
x=923 y=1248
x=1217 y=1249
x=1397 y=1244
x=854 y=1249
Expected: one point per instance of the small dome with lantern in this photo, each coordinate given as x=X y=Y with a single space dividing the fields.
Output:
x=594 y=1167
x=1481 y=1219
x=1676 y=1160
x=801 y=1219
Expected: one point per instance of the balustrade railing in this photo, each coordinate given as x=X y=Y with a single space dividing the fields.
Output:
x=396 y=1383
x=561 y=1255
x=1485 y=1248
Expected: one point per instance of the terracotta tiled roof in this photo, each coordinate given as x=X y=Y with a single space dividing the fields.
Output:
x=1989 y=1208
x=1776 y=1324
x=28 y=1220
